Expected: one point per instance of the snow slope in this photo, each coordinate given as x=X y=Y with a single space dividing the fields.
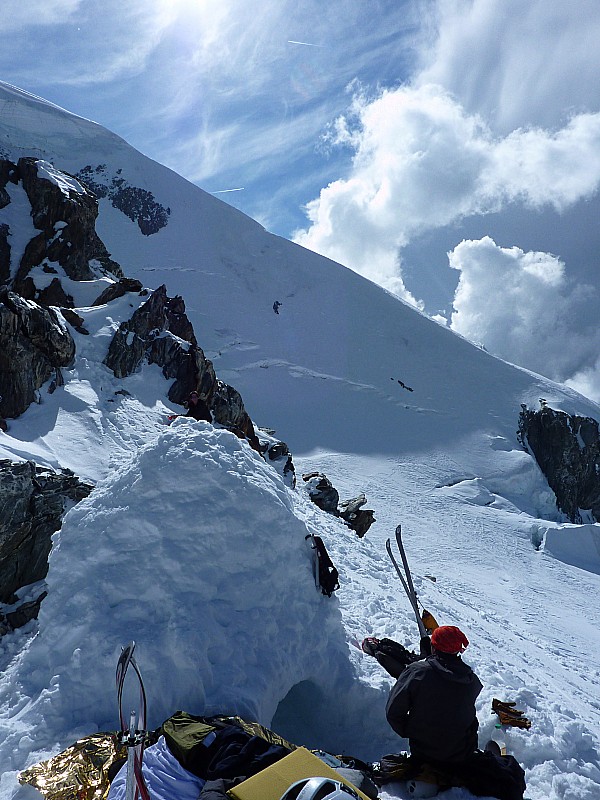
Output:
x=194 y=547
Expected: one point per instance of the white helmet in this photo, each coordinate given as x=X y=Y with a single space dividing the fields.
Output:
x=319 y=789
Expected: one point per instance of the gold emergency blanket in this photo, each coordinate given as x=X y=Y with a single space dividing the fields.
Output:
x=81 y=771
x=78 y=773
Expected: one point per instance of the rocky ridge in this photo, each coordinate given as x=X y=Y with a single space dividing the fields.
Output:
x=34 y=344
x=567 y=450
x=67 y=245
x=33 y=501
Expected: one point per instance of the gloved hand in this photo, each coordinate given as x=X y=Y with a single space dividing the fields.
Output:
x=370 y=645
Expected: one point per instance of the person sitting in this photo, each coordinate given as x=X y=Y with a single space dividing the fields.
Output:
x=433 y=701
x=432 y=704
x=197 y=408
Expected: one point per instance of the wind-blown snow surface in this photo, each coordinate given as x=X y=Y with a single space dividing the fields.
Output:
x=361 y=387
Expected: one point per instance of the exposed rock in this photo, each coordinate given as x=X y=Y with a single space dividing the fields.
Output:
x=326 y=497
x=7 y=173
x=138 y=204
x=160 y=333
x=118 y=289
x=4 y=254
x=75 y=320
x=322 y=492
x=567 y=450
x=65 y=214
x=136 y=340
x=34 y=344
x=54 y=295
x=279 y=453
x=20 y=614
x=32 y=503
x=228 y=410
x=357 y=518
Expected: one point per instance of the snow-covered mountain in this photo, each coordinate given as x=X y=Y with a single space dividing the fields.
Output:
x=193 y=545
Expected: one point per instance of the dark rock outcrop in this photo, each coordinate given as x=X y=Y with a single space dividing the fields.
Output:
x=280 y=455
x=65 y=214
x=322 y=492
x=567 y=450
x=33 y=501
x=34 y=345
x=20 y=613
x=53 y=295
x=4 y=254
x=138 y=204
x=75 y=320
x=160 y=333
x=148 y=335
x=7 y=169
x=118 y=289
x=326 y=497
x=358 y=518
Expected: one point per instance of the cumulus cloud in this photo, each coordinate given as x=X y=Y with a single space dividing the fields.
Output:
x=421 y=162
x=523 y=307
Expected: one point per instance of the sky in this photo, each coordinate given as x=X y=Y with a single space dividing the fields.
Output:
x=448 y=150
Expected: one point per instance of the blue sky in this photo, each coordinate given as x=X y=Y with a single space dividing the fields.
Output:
x=447 y=149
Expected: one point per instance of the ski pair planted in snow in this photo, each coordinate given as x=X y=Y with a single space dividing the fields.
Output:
x=133 y=730
x=406 y=578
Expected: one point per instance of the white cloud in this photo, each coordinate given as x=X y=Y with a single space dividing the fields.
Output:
x=587 y=381
x=517 y=63
x=542 y=167
x=421 y=162
x=523 y=307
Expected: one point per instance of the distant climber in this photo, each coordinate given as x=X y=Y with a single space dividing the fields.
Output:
x=432 y=704
x=276 y=306
x=197 y=408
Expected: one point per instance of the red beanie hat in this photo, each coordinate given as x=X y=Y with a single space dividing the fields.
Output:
x=449 y=639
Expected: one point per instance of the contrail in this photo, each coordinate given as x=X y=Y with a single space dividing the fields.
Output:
x=306 y=44
x=223 y=191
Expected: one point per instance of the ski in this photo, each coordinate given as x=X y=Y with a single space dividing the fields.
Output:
x=407 y=583
x=405 y=563
x=133 y=730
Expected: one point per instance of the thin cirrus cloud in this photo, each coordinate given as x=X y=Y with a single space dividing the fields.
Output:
x=37 y=13
x=79 y=43
x=519 y=64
